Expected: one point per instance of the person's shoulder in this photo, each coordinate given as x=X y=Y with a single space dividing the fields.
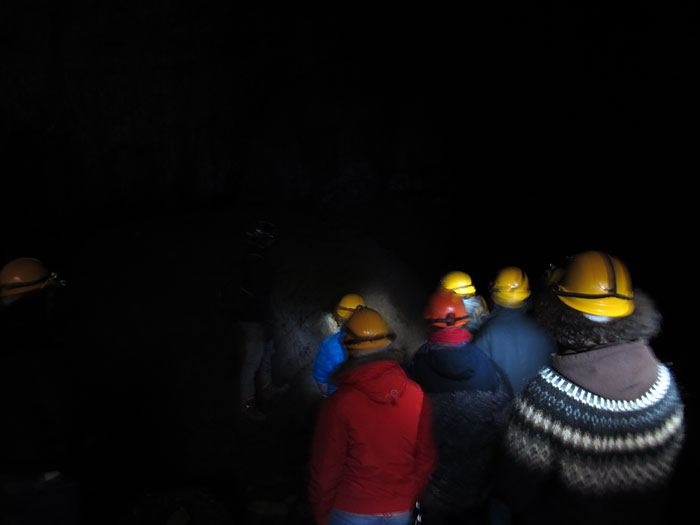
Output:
x=473 y=347
x=413 y=387
x=477 y=356
x=342 y=400
x=529 y=324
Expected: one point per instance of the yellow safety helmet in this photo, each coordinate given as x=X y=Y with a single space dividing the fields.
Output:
x=366 y=330
x=23 y=275
x=458 y=282
x=511 y=287
x=596 y=283
x=348 y=304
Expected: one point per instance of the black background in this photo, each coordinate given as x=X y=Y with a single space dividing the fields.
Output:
x=579 y=119
x=473 y=137
x=496 y=135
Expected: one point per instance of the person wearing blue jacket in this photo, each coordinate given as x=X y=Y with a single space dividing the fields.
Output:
x=516 y=344
x=331 y=352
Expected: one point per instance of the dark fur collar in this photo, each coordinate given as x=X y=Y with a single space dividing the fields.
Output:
x=572 y=330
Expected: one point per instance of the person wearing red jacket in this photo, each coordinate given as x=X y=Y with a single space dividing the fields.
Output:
x=373 y=449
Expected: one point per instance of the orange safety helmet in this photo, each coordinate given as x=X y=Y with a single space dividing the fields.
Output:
x=24 y=275
x=446 y=309
x=367 y=330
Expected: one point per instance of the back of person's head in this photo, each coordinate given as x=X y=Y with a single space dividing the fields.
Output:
x=445 y=309
x=511 y=287
x=459 y=282
x=30 y=304
x=347 y=306
x=598 y=285
x=591 y=302
x=366 y=331
x=23 y=276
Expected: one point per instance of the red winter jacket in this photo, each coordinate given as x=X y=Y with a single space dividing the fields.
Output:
x=373 y=448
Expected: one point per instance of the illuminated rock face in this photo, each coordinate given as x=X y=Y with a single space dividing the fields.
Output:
x=311 y=272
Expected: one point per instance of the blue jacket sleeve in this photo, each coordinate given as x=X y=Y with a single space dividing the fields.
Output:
x=330 y=355
x=322 y=370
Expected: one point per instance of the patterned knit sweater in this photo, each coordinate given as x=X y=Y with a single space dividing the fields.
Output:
x=595 y=445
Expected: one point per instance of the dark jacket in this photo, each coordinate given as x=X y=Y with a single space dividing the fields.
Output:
x=516 y=344
x=453 y=367
x=35 y=389
x=470 y=402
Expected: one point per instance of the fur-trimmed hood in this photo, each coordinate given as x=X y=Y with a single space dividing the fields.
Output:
x=573 y=331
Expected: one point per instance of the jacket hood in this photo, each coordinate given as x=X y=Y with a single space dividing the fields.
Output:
x=623 y=371
x=379 y=376
x=573 y=331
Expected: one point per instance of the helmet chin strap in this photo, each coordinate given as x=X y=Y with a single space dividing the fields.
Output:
x=598 y=318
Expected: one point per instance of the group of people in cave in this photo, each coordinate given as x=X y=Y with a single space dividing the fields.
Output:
x=519 y=408
x=541 y=408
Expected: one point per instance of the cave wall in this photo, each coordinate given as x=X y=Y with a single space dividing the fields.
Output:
x=313 y=271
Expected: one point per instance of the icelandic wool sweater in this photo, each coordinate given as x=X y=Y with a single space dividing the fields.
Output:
x=595 y=436
x=373 y=447
x=625 y=440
